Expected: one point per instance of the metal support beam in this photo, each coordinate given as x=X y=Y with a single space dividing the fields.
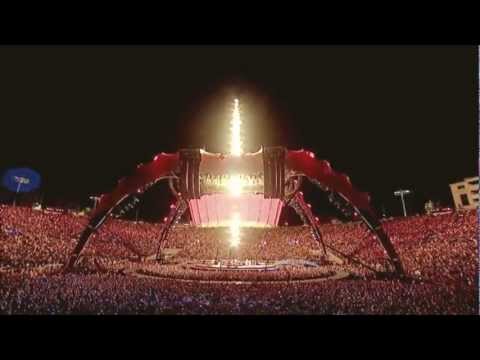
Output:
x=373 y=224
x=176 y=212
x=304 y=211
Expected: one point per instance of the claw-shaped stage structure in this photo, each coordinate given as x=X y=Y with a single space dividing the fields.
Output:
x=255 y=186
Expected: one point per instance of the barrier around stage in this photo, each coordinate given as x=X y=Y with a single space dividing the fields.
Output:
x=208 y=271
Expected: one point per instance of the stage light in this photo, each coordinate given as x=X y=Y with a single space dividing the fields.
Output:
x=235 y=230
x=235 y=185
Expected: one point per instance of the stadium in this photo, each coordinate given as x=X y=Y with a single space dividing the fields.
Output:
x=222 y=248
x=232 y=248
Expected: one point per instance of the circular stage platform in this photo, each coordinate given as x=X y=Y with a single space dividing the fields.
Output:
x=227 y=265
x=244 y=272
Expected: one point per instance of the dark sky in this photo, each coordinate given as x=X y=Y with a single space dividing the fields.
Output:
x=389 y=117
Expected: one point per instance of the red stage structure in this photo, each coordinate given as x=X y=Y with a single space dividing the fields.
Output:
x=270 y=179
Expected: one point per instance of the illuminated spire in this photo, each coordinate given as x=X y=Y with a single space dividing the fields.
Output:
x=236 y=146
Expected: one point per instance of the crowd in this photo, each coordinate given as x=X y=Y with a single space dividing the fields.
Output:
x=261 y=244
x=119 y=294
x=31 y=237
x=438 y=248
x=439 y=253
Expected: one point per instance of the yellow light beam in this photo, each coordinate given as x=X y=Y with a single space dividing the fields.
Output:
x=235 y=230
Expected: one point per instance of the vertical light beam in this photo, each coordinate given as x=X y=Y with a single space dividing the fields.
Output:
x=235 y=230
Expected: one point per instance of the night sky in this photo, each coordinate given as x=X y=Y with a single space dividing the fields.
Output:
x=389 y=117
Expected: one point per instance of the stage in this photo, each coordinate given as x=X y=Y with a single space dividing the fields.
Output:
x=232 y=265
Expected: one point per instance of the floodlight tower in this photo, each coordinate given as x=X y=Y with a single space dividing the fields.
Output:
x=95 y=200
x=19 y=180
x=402 y=194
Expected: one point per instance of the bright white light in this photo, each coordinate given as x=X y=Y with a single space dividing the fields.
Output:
x=235 y=230
x=236 y=148
x=235 y=185
x=21 y=180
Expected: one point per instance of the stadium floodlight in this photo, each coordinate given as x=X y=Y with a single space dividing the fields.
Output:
x=95 y=200
x=402 y=194
x=19 y=180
